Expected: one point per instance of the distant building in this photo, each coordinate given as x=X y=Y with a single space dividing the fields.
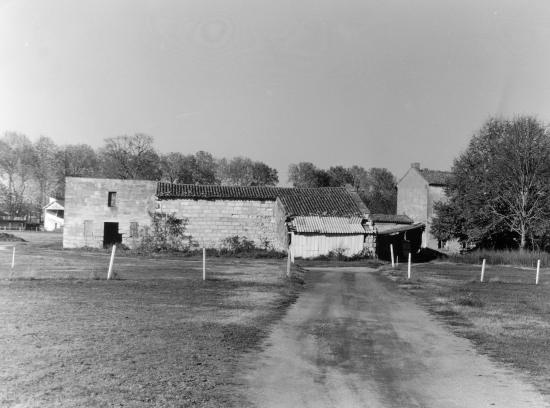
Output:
x=314 y=221
x=417 y=192
x=54 y=215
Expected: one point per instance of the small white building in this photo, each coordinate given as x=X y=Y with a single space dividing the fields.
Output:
x=54 y=215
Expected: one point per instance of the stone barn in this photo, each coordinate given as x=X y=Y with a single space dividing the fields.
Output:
x=100 y=212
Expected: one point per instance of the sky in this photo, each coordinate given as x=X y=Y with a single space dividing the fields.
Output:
x=340 y=82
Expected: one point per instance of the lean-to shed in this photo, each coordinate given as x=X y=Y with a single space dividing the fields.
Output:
x=332 y=221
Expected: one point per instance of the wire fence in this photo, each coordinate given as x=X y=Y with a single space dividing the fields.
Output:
x=449 y=271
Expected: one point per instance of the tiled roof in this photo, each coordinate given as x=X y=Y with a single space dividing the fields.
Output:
x=326 y=201
x=328 y=225
x=436 y=177
x=391 y=218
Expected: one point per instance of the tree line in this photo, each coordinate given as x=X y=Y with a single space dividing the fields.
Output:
x=33 y=171
x=499 y=191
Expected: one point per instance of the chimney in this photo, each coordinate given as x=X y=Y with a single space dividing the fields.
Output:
x=415 y=165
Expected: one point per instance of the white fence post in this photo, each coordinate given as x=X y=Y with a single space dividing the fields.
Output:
x=409 y=267
x=482 y=270
x=538 y=273
x=110 y=272
x=288 y=263
x=391 y=253
x=13 y=258
x=203 y=263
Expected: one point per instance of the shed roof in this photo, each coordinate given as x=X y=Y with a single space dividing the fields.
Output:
x=391 y=218
x=325 y=201
x=401 y=228
x=436 y=177
x=327 y=225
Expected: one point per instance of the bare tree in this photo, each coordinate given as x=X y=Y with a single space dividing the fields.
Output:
x=15 y=168
x=130 y=157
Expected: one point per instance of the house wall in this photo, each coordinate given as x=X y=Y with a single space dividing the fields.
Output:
x=412 y=198
x=86 y=209
x=211 y=221
x=314 y=245
x=52 y=222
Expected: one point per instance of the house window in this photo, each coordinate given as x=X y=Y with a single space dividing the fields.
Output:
x=134 y=229
x=111 y=199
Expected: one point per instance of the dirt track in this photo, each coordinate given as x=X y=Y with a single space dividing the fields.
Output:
x=350 y=342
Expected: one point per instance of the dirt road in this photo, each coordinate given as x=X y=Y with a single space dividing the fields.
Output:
x=350 y=342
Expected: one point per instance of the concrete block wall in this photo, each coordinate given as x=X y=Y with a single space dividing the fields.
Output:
x=211 y=221
x=86 y=209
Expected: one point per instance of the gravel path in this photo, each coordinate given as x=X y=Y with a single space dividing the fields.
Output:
x=350 y=342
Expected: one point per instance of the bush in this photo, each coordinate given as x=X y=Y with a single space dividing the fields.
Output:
x=166 y=233
x=469 y=299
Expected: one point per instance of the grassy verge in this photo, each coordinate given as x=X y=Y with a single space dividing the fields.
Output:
x=503 y=257
x=507 y=317
x=160 y=337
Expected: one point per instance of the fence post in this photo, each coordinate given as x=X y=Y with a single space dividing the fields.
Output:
x=482 y=270
x=288 y=263
x=409 y=267
x=203 y=263
x=110 y=272
x=13 y=258
x=397 y=261
x=538 y=272
x=391 y=253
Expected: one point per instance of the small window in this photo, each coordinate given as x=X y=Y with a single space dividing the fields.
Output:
x=134 y=229
x=111 y=200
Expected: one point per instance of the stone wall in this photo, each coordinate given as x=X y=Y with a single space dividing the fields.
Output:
x=211 y=221
x=412 y=196
x=86 y=209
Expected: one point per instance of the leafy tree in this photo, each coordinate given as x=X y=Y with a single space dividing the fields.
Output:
x=340 y=176
x=380 y=193
x=307 y=175
x=242 y=171
x=501 y=183
x=204 y=168
x=130 y=157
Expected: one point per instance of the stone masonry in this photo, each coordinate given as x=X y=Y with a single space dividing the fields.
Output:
x=86 y=209
x=212 y=221
x=209 y=221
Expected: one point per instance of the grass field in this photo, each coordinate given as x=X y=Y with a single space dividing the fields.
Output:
x=507 y=317
x=159 y=336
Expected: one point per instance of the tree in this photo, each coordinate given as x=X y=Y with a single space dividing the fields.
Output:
x=380 y=194
x=204 y=168
x=45 y=168
x=339 y=176
x=501 y=183
x=76 y=161
x=307 y=175
x=130 y=157
x=15 y=169
x=242 y=171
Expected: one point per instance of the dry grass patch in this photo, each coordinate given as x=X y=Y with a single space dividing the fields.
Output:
x=506 y=317
x=159 y=337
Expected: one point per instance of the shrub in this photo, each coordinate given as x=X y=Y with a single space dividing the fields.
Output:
x=166 y=233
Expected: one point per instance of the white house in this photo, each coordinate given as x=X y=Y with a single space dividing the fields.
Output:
x=54 y=215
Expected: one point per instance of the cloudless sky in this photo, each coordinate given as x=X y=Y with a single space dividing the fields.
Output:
x=373 y=83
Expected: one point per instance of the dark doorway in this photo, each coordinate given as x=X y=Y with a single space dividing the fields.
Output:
x=110 y=234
